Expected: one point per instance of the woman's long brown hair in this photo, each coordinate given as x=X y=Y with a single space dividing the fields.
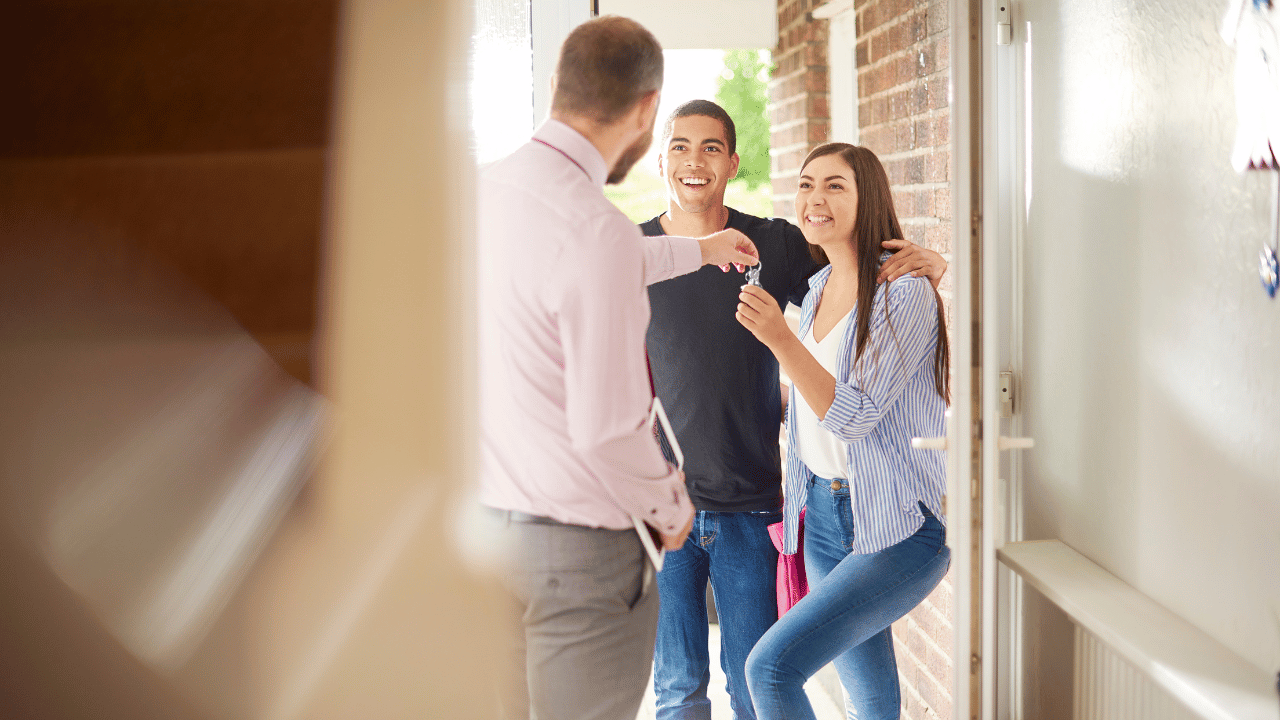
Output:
x=877 y=221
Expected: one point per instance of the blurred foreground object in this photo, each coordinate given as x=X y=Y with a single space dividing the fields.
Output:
x=147 y=444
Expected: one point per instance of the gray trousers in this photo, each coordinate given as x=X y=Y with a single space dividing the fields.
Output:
x=585 y=621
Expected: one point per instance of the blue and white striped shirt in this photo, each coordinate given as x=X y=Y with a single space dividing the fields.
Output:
x=880 y=405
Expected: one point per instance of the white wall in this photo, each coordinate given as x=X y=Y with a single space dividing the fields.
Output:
x=703 y=24
x=1152 y=378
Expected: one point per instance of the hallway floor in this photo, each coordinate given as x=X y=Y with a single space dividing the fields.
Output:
x=823 y=689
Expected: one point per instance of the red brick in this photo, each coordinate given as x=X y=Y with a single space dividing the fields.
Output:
x=937 y=95
x=923 y=613
x=922 y=131
x=888 y=75
x=874 y=138
x=942 y=209
x=818 y=107
x=879 y=46
x=904 y=71
x=919 y=26
x=904 y=137
x=815 y=80
x=942 y=130
x=937 y=166
x=880 y=106
x=930 y=693
x=869 y=81
x=869 y=17
x=939 y=14
x=937 y=237
x=942 y=709
x=926 y=60
x=915 y=643
x=915 y=170
x=939 y=666
x=895 y=171
x=918 y=99
x=901 y=199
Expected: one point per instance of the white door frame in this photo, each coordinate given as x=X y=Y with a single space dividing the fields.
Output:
x=984 y=504
x=551 y=22
x=964 y=457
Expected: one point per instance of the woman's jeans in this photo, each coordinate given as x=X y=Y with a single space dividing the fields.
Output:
x=846 y=617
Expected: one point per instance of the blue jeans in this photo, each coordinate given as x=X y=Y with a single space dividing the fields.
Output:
x=846 y=617
x=733 y=550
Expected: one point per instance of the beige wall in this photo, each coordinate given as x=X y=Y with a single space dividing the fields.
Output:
x=201 y=132
x=195 y=131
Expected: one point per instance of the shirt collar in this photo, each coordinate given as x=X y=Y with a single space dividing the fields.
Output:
x=819 y=279
x=576 y=147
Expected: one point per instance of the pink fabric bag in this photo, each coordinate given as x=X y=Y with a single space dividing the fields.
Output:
x=792 y=584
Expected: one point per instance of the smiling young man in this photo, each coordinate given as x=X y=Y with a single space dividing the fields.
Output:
x=720 y=388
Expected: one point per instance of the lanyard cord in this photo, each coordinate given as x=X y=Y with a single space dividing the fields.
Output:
x=565 y=154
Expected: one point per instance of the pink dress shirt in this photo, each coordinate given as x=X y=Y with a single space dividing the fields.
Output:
x=564 y=386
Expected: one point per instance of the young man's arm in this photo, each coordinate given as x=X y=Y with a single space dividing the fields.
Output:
x=914 y=260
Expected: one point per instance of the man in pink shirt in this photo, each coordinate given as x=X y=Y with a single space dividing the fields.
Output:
x=567 y=454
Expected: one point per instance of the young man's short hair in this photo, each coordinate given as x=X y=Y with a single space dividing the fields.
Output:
x=705 y=108
x=606 y=66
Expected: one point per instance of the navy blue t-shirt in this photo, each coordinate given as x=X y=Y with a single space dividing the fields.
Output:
x=719 y=384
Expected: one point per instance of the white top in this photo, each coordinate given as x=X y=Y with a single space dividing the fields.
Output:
x=821 y=451
x=882 y=401
x=563 y=309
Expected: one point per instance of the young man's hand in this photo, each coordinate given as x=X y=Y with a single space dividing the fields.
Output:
x=911 y=259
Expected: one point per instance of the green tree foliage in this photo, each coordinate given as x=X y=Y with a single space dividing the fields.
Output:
x=741 y=92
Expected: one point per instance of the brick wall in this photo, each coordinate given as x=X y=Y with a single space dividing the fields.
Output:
x=799 y=116
x=902 y=54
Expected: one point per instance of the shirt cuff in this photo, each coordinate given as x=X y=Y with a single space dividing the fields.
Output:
x=840 y=415
x=686 y=254
x=671 y=512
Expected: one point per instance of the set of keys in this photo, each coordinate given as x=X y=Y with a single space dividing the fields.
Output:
x=753 y=275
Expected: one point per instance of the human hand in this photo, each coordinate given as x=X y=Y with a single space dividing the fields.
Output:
x=911 y=259
x=728 y=247
x=675 y=541
x=759 y=313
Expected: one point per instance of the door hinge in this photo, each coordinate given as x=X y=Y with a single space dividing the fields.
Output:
x=1004 y=28
x=1008 y=394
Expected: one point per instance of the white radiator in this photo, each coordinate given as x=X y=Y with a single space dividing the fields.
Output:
x=1108 y=687
x=1135 y=660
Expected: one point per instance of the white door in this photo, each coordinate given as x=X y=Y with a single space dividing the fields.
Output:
x=983 y=434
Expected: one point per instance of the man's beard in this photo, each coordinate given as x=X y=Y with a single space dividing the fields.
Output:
x=630 y=158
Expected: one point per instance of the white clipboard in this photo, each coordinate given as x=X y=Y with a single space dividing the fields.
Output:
x=649 y=537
